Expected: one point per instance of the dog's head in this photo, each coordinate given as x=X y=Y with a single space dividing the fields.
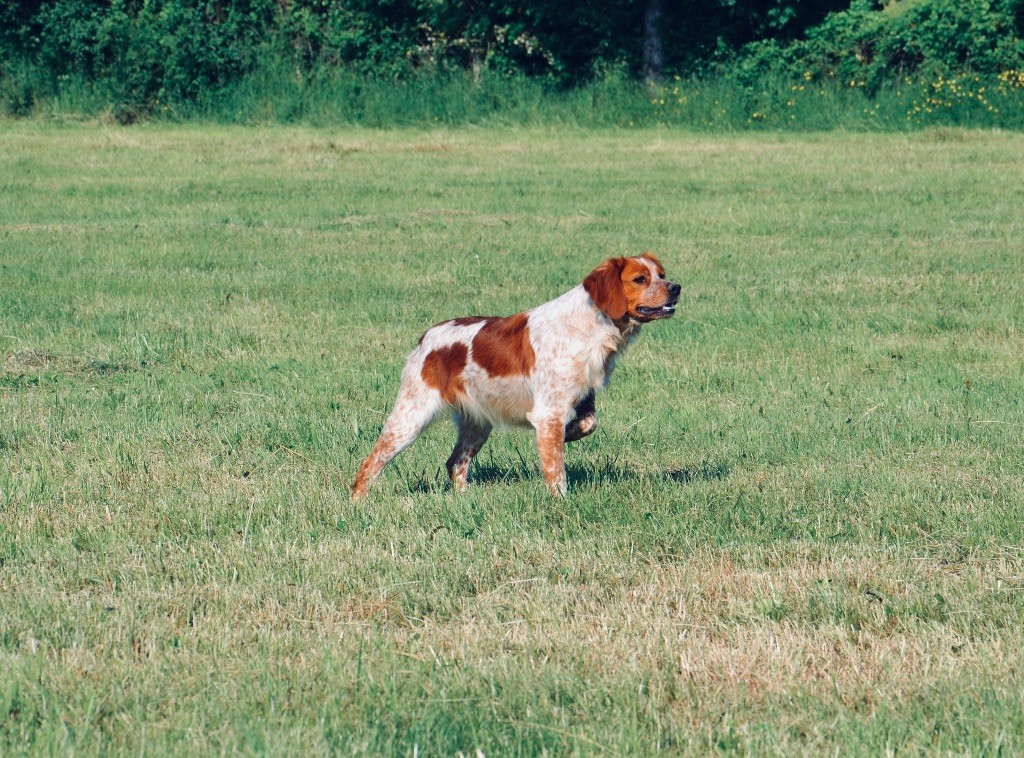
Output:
x=632 y=288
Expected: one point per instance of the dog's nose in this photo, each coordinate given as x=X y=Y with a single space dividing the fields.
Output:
x=673 y=289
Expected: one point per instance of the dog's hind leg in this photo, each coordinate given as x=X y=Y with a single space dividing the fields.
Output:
x=472 y=436
x=585 y=422
x=414 y=409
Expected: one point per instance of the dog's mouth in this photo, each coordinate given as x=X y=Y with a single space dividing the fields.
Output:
x=650 y=313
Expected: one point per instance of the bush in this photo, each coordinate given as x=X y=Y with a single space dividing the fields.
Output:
x=17 y=93
x=905 y=37
x=141 y=54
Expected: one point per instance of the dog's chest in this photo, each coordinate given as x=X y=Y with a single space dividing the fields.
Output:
x=596 y=361
x=575 y=346
x=575 y=362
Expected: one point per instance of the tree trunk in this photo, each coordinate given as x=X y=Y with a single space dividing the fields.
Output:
x=654 y=54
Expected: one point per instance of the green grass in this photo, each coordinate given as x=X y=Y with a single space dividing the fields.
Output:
x=799 y=527
x=332 y=97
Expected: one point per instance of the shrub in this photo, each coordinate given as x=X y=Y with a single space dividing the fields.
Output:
x=17 y=93
x=143 y=53
x=876 y=44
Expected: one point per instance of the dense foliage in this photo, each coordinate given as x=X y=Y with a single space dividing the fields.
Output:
x=866 y=42
x=141 y=56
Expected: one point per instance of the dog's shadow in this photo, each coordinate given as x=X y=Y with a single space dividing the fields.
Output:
x=706 y=471
x=606 y=473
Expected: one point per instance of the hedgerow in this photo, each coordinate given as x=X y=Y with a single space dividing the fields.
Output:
x=744 y=62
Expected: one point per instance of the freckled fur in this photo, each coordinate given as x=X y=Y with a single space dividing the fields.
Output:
x=540 y=368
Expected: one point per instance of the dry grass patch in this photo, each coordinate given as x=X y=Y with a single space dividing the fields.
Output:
x=827 y=622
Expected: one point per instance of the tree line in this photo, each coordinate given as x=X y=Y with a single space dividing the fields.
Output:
x=151 y=51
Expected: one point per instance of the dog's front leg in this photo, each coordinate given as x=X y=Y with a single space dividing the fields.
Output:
x=585 y=422
x=551 y=445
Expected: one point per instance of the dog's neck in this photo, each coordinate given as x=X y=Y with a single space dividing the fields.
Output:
x=619 y=334
x=628 y=327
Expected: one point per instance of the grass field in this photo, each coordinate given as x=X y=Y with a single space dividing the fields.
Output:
x=799 y=528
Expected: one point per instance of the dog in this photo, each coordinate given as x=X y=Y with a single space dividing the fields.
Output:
x=540 y=368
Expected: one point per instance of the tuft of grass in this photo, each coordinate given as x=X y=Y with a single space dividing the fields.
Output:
x=797 y=528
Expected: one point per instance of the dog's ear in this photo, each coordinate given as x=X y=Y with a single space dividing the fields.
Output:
x=604 y=285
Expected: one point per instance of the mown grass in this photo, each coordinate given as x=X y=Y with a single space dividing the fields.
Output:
x=798 y=529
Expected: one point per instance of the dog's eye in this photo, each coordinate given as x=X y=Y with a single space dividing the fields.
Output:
x=661 y=274
x=640 y=280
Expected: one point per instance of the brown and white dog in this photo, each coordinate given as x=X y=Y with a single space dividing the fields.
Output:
x=539 y=368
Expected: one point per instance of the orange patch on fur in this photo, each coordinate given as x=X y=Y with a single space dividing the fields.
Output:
x=502 y=347
x=604 y=285
x=634 y=292
x=461 y=321
x=470 y=320
x=442 y=370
